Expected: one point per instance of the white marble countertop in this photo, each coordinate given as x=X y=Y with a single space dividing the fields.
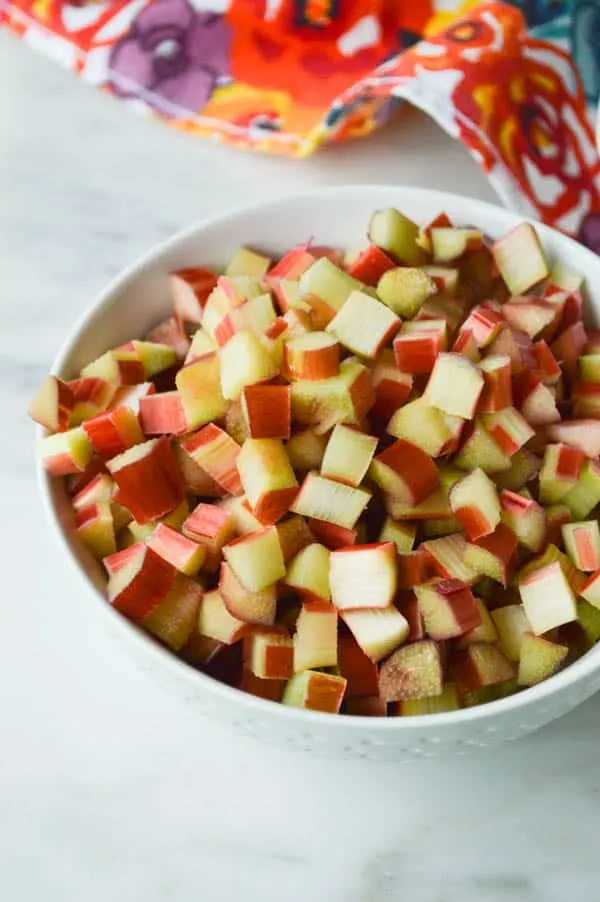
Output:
x=111 y=790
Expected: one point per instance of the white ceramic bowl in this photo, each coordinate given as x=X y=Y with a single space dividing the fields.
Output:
x=135 y=302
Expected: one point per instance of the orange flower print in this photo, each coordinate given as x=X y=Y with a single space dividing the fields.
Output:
x=312 y=49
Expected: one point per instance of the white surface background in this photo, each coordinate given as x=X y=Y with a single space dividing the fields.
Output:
x=109 y=788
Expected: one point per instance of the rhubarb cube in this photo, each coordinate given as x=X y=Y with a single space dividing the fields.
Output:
x=509 y=429
x=485 y=632
x=447 y=555
x=455 y=385
x=217 y=454
x=580 y=434
x=448 y=608
x=66 y=452
x=533 y=316
x=329 y=283
x=422 y=424
x=370 y=265
x=308 y=573
x=582 y=543
x=405 y=471
x=364 y=325
x=396 y=234
x=418 y=345
x=113 y=432
x=568 y=347
x=413 y=671
x=199 y=384
x=244 y=361
x=475 y=504
x=493 y=555
x=401 y=534
x=269 y=653
x=267 y=411
x=363 y=576
x=141 y=585
x=348 y=455
x=162 y=414
x=479 y=665
x=552 y=555
x=585 y=495
x=246 y=262
x=435 y=506
x=292 y=264
x=520 y=258
x=202 y=344
x=215 y=621
x=251 y=606
x=511 y=623
x=118 y=559
x=294 y=535
x=154 y=357
x=560 y=472
x=100 y=488
x=190 y=289
x=306 y=450
x=378 y=631
x=312 y=356
x=480 y=450
x=195 y=479
x=175 y=619
x=588 y=617
x=485 y=323
x=447 y=700
x=315 y=640
x=405 y=289
x=535 y=400
x=331 y=535
x=52 y=405
x=391 y=387
x=539 y=659
x=344 y=398
x=466 y=345
x=525 y=517
x=256 y=559
x=359 y=671
x=186 y=555
x=149 y=479
x=547 y=598
x=267 y=478
x=591 y=589
x=119 y=367
x=315 y=691
x=95 y=527
x=326 y=499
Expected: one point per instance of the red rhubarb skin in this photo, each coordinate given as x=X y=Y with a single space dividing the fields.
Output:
x=152 y=486
x=370 y=265
x=147 y=588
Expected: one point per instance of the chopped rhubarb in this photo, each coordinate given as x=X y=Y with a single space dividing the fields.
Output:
x=363 y=576
x=361 y=482
x=405 y=471
x=149 y=479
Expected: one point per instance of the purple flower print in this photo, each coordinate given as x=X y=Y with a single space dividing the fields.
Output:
x=172 y=54
x=589 y=232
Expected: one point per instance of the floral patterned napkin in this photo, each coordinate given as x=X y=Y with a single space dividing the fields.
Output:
x=515 y=82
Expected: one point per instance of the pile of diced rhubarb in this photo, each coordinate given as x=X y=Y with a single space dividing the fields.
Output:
x=363 y=483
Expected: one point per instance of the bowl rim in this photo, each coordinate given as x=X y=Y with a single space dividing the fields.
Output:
x=573 y=673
